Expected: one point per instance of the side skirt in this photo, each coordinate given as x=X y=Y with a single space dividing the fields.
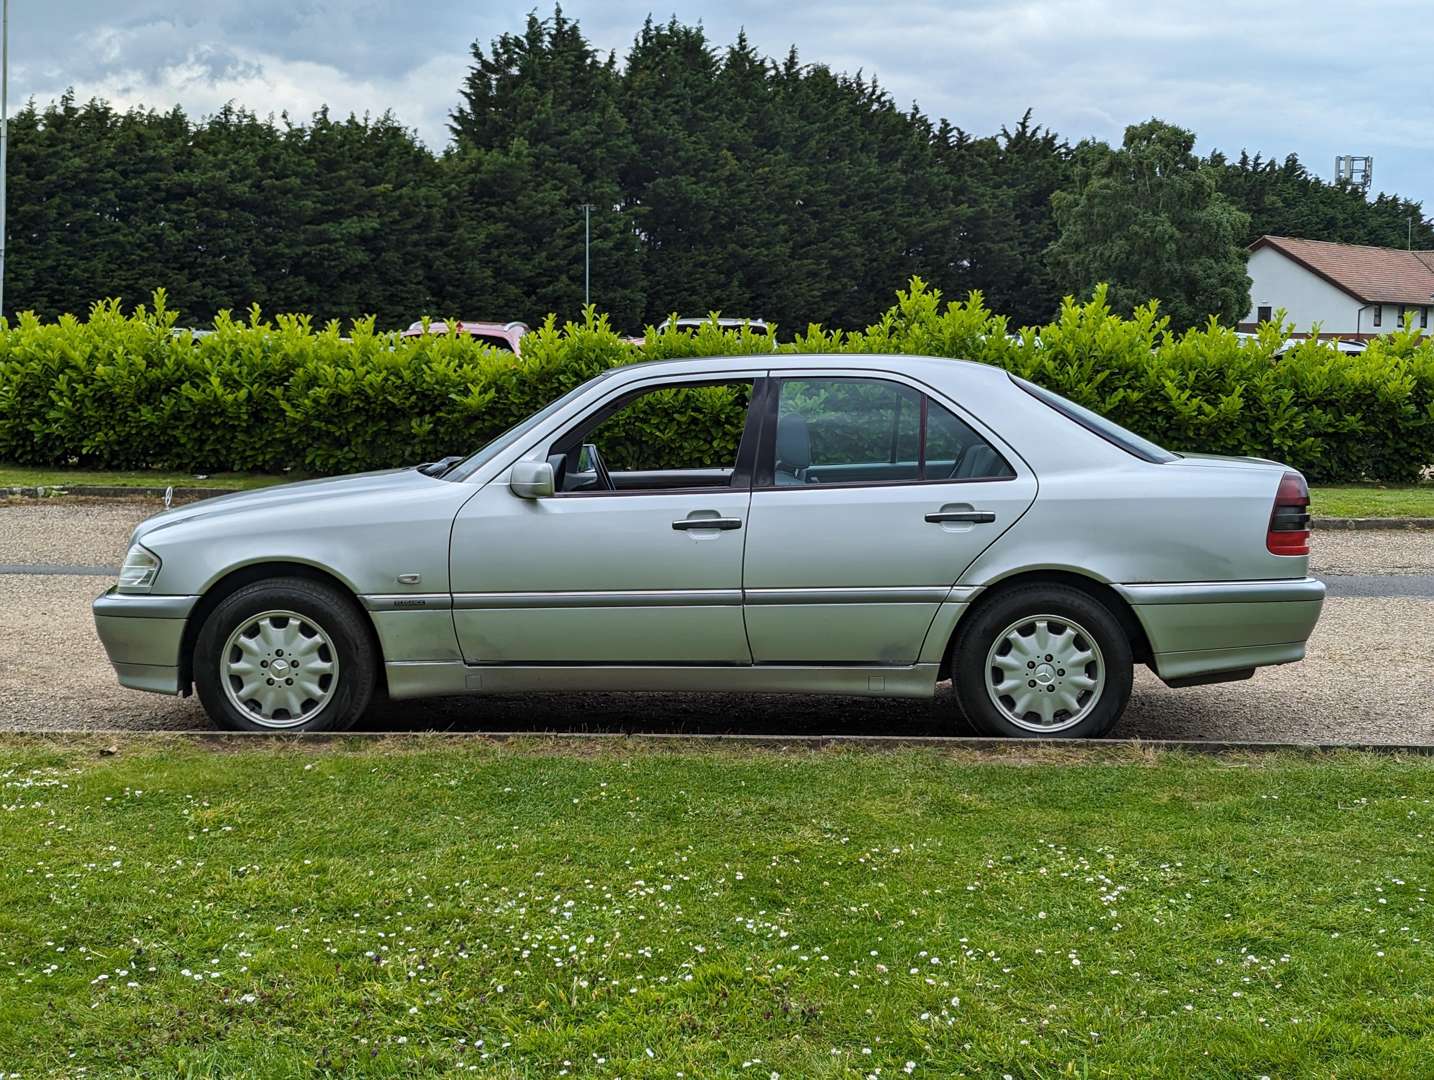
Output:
x=435 y=678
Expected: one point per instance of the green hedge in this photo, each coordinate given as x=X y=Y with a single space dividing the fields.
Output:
x=122 y=391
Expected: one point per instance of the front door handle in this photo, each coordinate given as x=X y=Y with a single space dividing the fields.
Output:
x=707 y=523
x=975 y=517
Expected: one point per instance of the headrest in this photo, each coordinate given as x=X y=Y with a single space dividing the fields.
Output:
x=794 y=443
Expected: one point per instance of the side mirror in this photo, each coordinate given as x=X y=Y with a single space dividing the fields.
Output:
x=531 y=479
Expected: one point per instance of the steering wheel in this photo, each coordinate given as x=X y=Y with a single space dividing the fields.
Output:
x=604 y=478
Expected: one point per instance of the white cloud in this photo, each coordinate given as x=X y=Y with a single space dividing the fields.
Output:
x=1277 y=77
x=267 y=84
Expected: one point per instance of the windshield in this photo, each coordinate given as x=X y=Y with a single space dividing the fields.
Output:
x=1108 y=430
x=470 y=465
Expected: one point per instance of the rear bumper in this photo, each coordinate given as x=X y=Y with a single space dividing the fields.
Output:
x=1201 y=628
x=142 y=635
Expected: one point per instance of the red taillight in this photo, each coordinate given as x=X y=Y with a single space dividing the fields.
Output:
x=1289 y=532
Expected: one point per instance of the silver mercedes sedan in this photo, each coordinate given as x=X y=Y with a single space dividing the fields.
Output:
x=853 y=525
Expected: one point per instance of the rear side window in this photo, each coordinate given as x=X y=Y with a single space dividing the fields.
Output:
x=1093 y=422
x=844 y=430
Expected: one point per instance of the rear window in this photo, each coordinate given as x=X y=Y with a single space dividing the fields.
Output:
x=1128 y=441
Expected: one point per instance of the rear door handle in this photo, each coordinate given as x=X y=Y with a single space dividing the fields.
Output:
x=975 y=517
x=707 y=523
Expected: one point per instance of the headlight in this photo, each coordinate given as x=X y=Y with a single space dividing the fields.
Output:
x=139 y=570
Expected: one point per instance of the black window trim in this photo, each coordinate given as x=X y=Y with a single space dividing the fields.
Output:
x=764 y=478
x=570 y=439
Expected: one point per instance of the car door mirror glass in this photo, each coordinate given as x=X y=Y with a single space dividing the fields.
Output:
x=531 y=479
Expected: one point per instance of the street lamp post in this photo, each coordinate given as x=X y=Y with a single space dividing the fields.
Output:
x=587 y=209
x=4 y=133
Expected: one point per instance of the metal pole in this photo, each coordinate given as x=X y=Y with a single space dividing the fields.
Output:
x=587 y=250
x=4 y=134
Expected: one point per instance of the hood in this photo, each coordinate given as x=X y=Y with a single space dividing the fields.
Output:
x=308 y=492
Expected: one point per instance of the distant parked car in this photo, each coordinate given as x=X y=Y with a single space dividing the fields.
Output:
x=861 y=525
x=693 y=323
x=756 y=325
x=499 y=335
x=1350 y=347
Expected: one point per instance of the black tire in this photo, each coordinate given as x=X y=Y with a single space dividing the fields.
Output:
x=983 y=627
x=331 y=609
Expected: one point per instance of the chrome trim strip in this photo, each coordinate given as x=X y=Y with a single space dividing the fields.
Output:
x=1223 y=592
x=143 y=605
x=437 y=601
x=900 y=594
x=616 y=598
x=933 y=594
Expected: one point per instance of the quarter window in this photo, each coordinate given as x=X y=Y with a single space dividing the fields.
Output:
x=872 y=431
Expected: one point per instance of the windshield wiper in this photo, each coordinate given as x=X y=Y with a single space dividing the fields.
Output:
x=441 y=466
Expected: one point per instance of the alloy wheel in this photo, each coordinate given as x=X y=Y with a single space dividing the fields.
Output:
x=280 y=668
x=1045 y=673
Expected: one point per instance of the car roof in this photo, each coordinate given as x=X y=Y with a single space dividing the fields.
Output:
x=465 y=326
x=932 y=367
x=688 y=321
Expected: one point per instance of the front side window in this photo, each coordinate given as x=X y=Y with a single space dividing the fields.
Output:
x=674 y=437
x=872 y=431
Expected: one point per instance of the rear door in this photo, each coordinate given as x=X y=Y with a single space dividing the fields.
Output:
x=871 y=498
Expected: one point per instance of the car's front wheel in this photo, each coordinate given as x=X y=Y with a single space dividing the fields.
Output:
x=1042 y=661
x=288 y=654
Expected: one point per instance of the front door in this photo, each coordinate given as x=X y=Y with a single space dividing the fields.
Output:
x=872 y=498
x=637 y=557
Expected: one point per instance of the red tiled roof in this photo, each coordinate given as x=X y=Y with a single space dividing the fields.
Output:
x=1369 y=274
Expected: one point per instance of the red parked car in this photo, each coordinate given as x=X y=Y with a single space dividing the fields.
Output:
x=499 y=335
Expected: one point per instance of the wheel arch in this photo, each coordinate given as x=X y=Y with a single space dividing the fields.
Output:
x=1096 y=589
x=234 y=580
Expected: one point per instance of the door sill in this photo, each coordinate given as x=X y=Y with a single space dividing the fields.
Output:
x=434 y=678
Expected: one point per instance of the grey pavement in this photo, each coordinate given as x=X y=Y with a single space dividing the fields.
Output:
x=1369 y=676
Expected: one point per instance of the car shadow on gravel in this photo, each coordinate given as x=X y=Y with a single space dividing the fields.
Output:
x=681 y=714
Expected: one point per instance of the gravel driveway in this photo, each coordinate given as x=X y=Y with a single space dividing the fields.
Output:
x=1369 y=676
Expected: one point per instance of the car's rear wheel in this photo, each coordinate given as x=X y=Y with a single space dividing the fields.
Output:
x=1042 y=661
x=287 y=654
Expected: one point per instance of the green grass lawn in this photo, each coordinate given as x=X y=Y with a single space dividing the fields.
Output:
x=426 y=906
x=21 y=476
x=1373 y=500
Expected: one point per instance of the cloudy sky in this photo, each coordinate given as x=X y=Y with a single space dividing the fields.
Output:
x=1310 y=76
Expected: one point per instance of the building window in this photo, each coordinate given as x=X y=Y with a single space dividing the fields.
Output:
x=1424 y=318
x=1378 y=314
x=1263 y=313
x=1399 y=316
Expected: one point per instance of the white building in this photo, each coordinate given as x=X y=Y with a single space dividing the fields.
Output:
x=1352 y=291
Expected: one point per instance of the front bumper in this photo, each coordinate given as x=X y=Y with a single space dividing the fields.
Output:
x=141 y=635
x=1206 y=627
